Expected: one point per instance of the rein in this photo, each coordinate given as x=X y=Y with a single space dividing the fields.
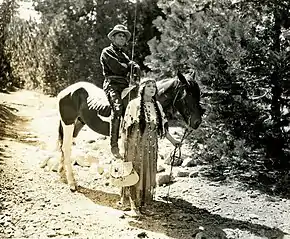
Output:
x=176 y=95
x=176 y=153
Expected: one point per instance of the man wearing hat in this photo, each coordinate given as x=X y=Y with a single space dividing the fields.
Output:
x=116 y=70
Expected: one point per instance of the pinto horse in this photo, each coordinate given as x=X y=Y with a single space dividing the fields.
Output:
x=75 y=110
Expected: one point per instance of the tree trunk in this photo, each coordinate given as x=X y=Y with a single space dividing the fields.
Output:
x=276 y=142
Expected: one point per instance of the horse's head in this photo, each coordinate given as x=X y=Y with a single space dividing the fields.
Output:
x=182 y=95
x=187 y=100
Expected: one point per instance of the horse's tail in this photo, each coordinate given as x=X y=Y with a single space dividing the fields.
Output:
x=60 y=136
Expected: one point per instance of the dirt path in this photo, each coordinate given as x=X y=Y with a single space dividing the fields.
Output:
x=35 y=204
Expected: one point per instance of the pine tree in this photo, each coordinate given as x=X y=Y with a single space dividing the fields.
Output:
x=237 y=51
x=7 y=9
x=65 y=46
x=272 y=23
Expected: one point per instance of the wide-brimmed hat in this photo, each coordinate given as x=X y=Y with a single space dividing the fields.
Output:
x=119 y=28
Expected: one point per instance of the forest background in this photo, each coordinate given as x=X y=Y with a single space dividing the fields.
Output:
x=240 y=50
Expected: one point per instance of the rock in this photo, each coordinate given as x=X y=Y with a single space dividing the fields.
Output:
x=43 y=163
x=100 y=170
x=189 y=162
x=161 y=156
x=85 y=161
x=223 y=196
x=163 y=179
x=56 y=227
x=65 y=232
x=81 y=161
x=142 y=235
x=272 y=199
x=193 y=174
x=51 y=234
x=210 y=232
x=91 y=141
x=182 y=173
x=160 y=169
x=50 y=164
x=253 y=216
x=254 y=194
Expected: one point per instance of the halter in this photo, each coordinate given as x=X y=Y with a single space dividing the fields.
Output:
x=175 y=98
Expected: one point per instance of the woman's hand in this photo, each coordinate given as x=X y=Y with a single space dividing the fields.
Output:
x=176 y=143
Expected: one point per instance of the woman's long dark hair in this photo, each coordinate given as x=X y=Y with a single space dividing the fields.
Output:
x=142 y=121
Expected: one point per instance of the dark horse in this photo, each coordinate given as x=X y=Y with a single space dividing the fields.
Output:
x=76 y=110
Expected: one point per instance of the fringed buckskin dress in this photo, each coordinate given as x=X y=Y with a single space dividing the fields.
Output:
x=142 y=150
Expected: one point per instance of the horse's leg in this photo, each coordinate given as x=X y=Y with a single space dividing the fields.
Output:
x=66 y=154
x=61 y=170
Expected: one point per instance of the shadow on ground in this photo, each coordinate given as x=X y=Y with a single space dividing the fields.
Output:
x=100 y=197
x=3 y=154
x=177 y=218
x=12 y=126
x=7 y=121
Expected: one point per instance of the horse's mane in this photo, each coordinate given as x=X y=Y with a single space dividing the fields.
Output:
x=165 y=84
x=169 y=83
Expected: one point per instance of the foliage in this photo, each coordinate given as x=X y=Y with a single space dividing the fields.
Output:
x=65 y=46
x=237 y=52
x=146 y=11
x=7 y=9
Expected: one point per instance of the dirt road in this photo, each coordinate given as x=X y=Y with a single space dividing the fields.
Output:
x=35 y=204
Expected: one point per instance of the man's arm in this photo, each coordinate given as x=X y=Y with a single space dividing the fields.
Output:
x=113 y=63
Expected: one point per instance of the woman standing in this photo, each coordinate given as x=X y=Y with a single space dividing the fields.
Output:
x=143 y=122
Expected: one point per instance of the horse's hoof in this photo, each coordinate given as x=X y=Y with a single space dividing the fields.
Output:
x=73 y=188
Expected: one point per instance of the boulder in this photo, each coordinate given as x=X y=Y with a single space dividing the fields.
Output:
x=189 y=162
x=160 y=168
x=182 y=173
x=193 y=174
x=163 y=179
x=50 y=164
